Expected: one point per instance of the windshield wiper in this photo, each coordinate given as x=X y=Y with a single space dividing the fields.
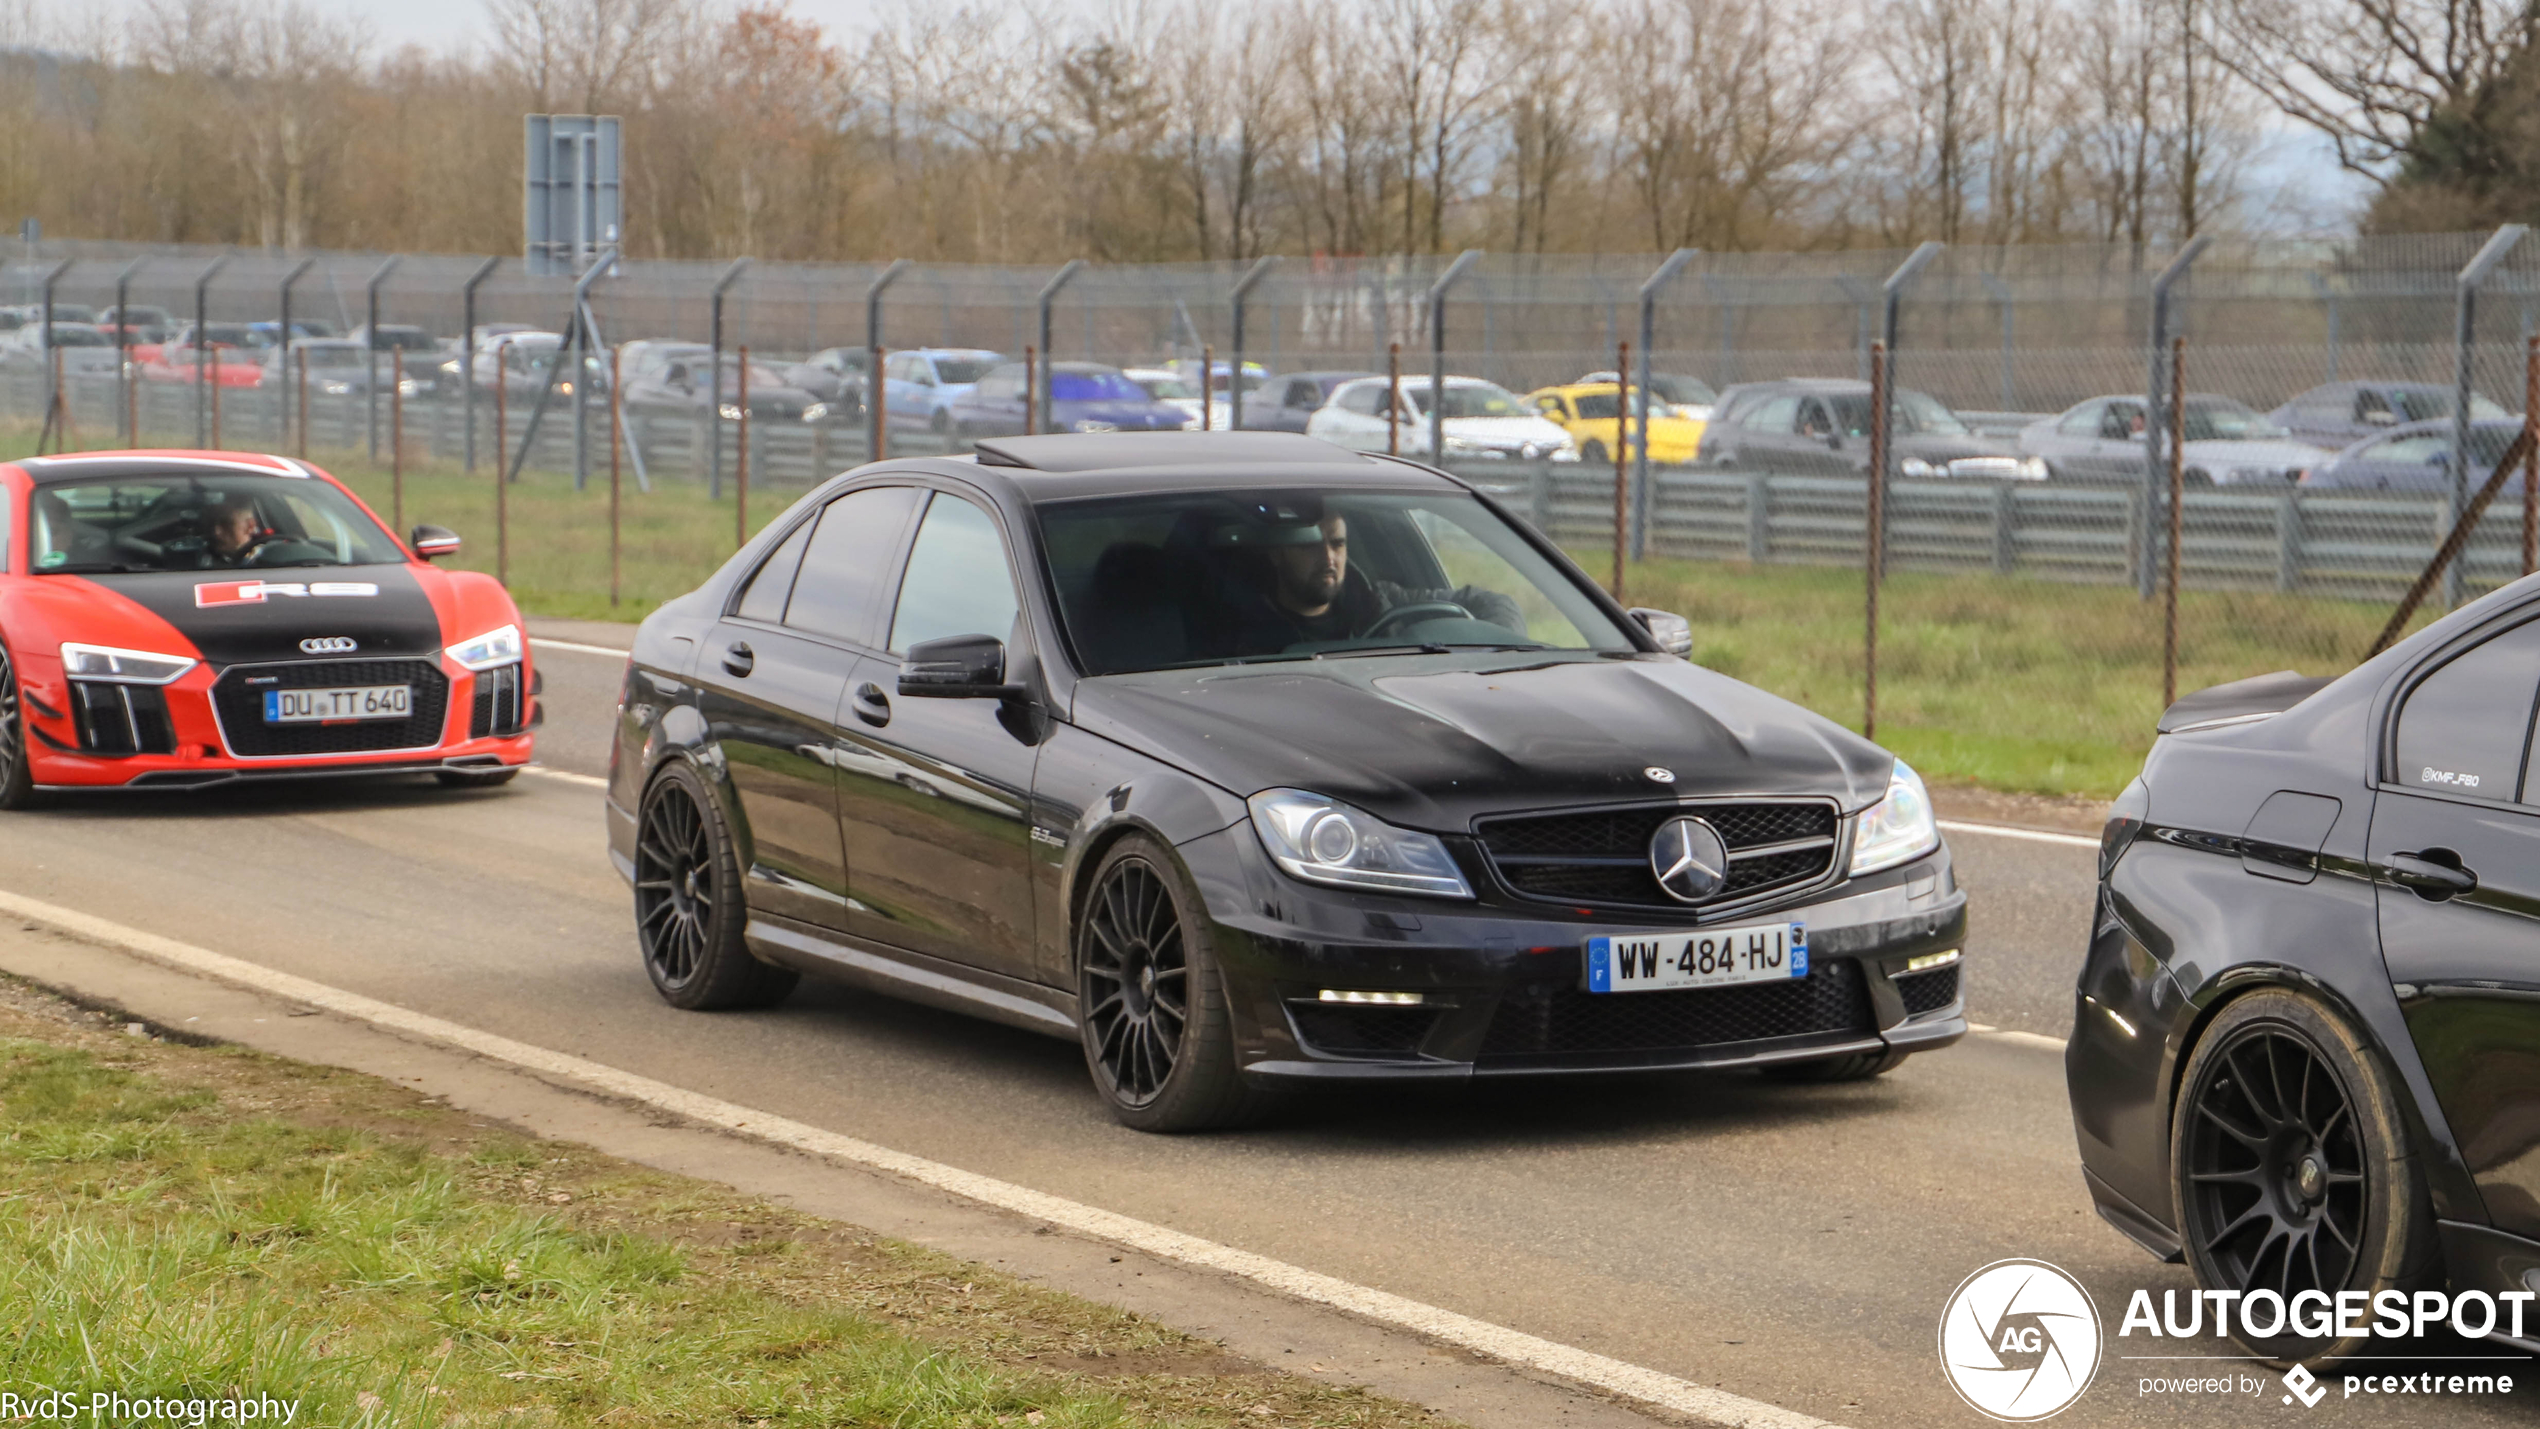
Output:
x=93 y=568
x=1424 y=648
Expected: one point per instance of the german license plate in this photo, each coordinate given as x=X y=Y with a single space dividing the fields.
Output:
x=1715 y=957
x=328 y=706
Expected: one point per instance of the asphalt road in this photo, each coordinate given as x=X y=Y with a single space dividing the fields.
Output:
x=1791 y=1244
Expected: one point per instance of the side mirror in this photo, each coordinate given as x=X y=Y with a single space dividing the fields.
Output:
x=1673 y=632
x=957 y=667
x=434 y=542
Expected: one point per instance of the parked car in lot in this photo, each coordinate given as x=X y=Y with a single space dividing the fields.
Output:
x=921 y=384
x=227 y=364
x=396 y=336
x=1589 y=412
x=179 y=620
x=686 y=386
x=1245 y=763
x=2416 y=457
x=2301 y=1051
x=1479 y=420
x=1688 y=397
x=1821 y=427
x=2337 y=414
x=836 y=376
x=1287 y=402
x=85 y=350
x=1083 y=397
x=148 y=324
x=1170 y=387
x=2227 y=444
x=338 y=367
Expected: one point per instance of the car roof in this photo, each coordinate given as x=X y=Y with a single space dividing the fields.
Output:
x=112 y=466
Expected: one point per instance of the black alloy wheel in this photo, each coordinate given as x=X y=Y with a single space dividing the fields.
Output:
x=17 y=775
x=1158 y=1038
x=1593 y=454
x=688 y=906
x=2291 y=1165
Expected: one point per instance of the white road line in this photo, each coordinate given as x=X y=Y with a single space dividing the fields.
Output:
x=566 y=776
x=1961 y=826
x=543 y=643
x=1631 y=1381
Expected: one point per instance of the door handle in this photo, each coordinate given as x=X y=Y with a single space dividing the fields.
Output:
x=738 y=658
x=2435 y=874
x=871 y=705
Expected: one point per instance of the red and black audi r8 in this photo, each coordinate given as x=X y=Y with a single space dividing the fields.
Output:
x=175 y=619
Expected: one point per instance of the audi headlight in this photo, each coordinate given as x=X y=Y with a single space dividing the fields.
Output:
x=1094 y=424
x=499 y=646
x=1325 y=841
x=730 y=411
x=122 y=667
x=1897 y=828
x=815 y=411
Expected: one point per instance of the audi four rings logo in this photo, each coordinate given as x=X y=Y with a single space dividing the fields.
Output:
x=1690 y=859
x=329 y=645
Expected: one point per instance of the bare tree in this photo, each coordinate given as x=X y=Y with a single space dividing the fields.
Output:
x=2371 y=75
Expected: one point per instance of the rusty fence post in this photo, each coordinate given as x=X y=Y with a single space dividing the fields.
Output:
x=741 y=461
x=617 y=415
x=1393 y=403
x=1207 y=376
x=2177 y=521
x=1873 y=540
x=304 y=404
x=1622 y=479
x=2531 y=459
x=1031 y=390
x=502 y=463
x=397 y=439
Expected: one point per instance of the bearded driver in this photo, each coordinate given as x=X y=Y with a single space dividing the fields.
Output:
x=1316 y=599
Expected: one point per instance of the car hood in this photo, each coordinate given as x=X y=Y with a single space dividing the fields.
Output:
x=1433 y=741
x=2271 y=452
x=1500 y=430
x=1950 y=446
x=385 y=610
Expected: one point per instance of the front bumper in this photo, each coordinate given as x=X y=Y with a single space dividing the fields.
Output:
x=1501 y=986
x=82 y=735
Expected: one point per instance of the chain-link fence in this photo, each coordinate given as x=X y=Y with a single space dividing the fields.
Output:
x=2021 y=634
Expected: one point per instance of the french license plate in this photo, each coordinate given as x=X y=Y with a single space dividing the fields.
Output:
x=327 y=706
x=1716 y=957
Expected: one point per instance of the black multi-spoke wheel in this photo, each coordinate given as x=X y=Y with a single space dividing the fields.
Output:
x=2291 y=1165
x=1153 y=1010
x=17 y=777
x=688 y=908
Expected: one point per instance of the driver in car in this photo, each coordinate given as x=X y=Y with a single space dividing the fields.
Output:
x=233 y=535
x=1316 y=597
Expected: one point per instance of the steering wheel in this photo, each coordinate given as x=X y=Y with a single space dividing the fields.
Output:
x=1404 y=615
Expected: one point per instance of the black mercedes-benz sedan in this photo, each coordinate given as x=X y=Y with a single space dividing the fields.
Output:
x=1250 y=762
x=2306 y=1042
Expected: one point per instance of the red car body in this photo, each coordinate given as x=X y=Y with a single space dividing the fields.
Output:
x=247 y=630
x=175 y=362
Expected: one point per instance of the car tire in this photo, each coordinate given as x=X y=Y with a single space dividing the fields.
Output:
x=689 y=907
x=1857 y=1067
x=471 y=779
x=1593 y=454
x=940 y=423
x=17 y=772
x=1158 y=1035
x=2329 y=1172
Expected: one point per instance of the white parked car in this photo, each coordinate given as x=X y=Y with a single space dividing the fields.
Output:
x=1482 y=421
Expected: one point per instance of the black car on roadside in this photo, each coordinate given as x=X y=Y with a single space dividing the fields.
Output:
x=1251 y=763
x=2306 y=1041
x=1286 y=402
x=1815 y=426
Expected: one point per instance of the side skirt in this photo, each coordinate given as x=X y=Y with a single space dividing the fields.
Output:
x=913 y=977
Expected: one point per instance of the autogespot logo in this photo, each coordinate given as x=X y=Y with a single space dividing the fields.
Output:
x=2019 y=1340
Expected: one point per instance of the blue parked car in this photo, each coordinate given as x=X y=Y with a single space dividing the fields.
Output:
x=922 y=383
x=2417 y=457
x=1083 y=396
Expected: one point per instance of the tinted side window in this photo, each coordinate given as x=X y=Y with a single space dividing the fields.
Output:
x=2464 y=726
x=1773 y=415
x=958 y=582
x=2084 y=422
x=1305 y=395
x=844 y=565
x=765 y=599
x=1363 y=400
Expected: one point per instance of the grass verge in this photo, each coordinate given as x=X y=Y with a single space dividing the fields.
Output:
x=2006 y=683
x=198 y=1223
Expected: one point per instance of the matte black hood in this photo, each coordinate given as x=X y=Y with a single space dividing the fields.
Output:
x=1431 y=742
x=397 y=620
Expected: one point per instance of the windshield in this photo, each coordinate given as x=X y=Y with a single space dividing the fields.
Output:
x=324 y=359
x=1470 y=399
x=957 y=370
x=1685 y=391
x=1213 y=578
x=194 y=523
x=80 y=337
x=1094 y=387
x=1165 y=389
x=1915 y=412
x=2217 y=420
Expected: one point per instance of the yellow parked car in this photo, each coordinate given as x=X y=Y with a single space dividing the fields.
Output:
x=1586 y=411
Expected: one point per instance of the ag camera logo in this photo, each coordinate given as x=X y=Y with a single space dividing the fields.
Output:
x=2019 y=1341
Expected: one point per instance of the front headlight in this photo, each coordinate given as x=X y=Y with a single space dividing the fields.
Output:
x=1094 y=424
x=410 y=387
x=122 y=667
x=499 y=646
x=1897 y=828
x=1916 y=466
x=731 y=411
x=335 y=389
x=815 y=411
x=2032 y=468
x=1565 y=453
x=1325 y=841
